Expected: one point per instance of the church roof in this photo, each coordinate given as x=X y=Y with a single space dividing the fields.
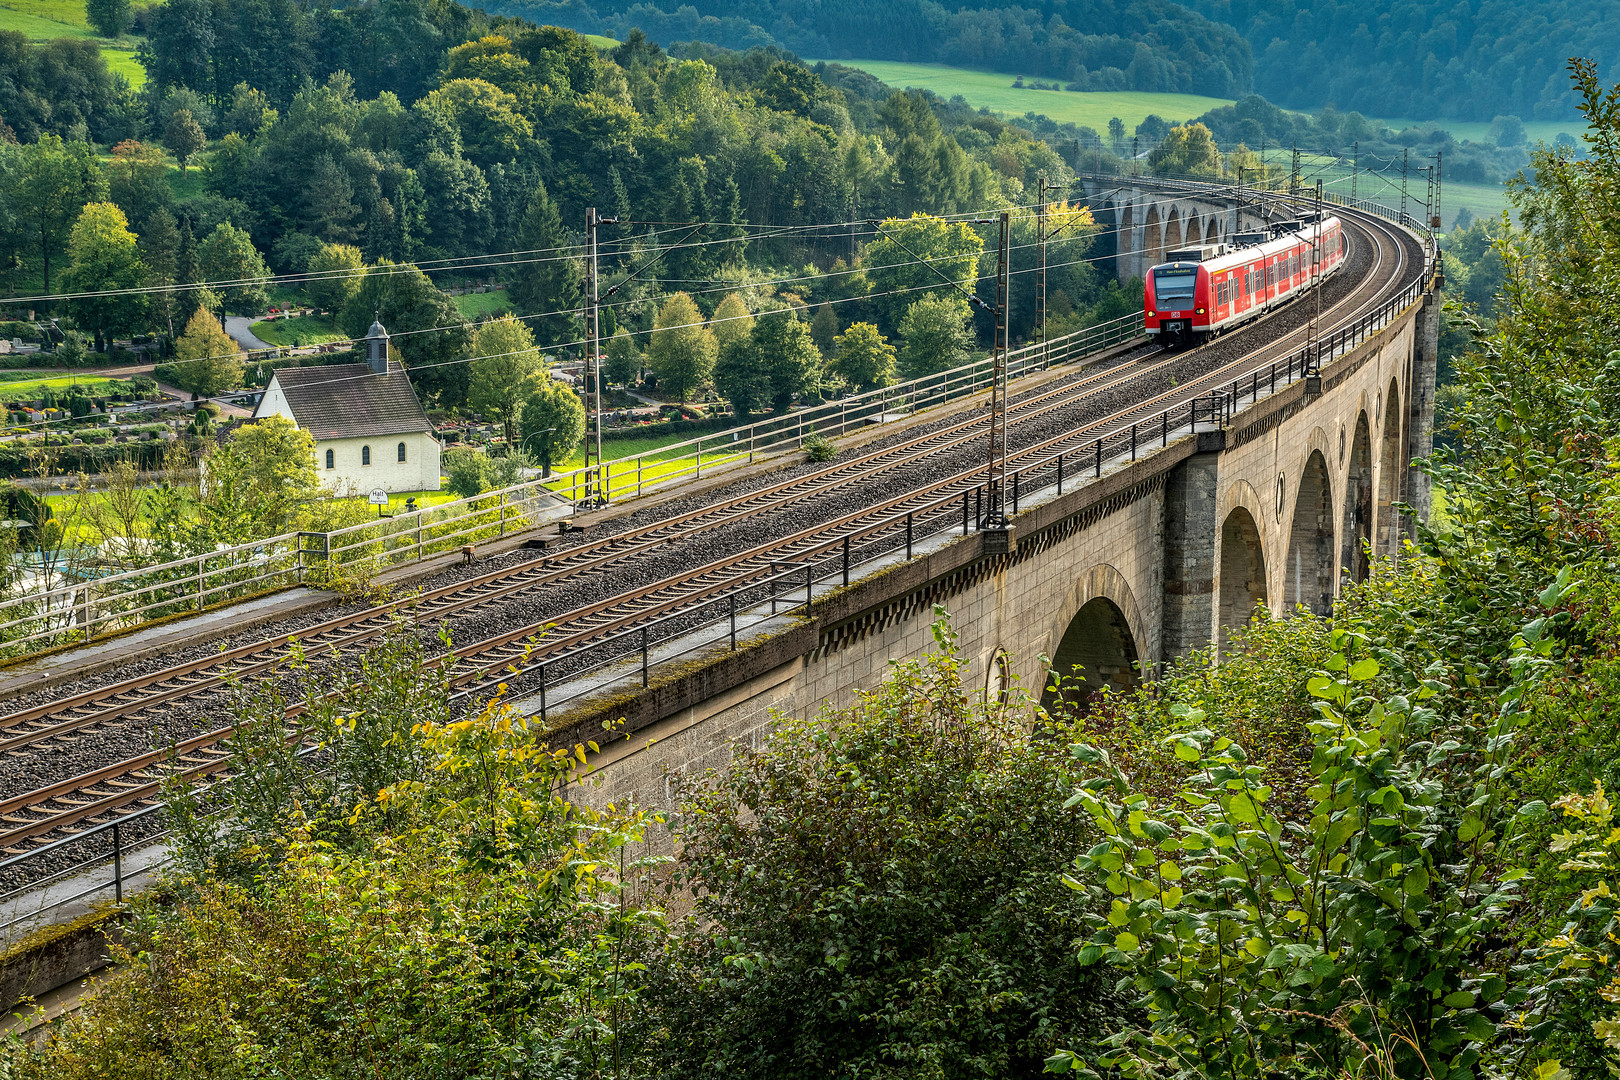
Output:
x=346 y=401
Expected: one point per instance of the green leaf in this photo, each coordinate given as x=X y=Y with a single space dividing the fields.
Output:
x=1417 y=881
x=1362 y=670
x=1090 y=954
x=1459 y=999
x=1126 y=941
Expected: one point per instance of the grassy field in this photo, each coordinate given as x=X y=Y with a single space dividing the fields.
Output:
x=478 y=305
x=995 y=91
x=27 y=388
x=42 y=20
x=303 y=330
x=602 y=42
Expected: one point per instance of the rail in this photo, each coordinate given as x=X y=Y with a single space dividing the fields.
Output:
x=79 y=611
x=732 y=613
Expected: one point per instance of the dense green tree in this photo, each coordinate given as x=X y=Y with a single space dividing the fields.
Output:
x=111 y=18
x=62 y=87
x=467 y=472
x=250 y=111
x=623 y=363
x=184 y=137
x=102 y=258
x=504 y=364
x=890 y=871
x=936 y=336
x=228 y=256
x=1186 y=151
x=864 y=359
x=913 y=254
x=337 y=271
x=207 y=360
x=488 y=119
x=553 y=422
x=329 y=208
x=732 y=320
x=547 y=278
x=160 y=248
x=138 y=181
x=740 y=377
x=48 y=184
x=824 y=329
x=681 y=349
x=789 y=357
x=278 y=471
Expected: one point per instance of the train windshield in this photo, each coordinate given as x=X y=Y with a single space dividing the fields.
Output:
x=1174 y=288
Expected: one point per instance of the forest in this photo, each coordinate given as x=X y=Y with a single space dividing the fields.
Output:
x=1398 y=58
x=1149 y=45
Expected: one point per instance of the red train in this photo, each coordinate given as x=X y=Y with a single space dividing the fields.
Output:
x=1203 y=291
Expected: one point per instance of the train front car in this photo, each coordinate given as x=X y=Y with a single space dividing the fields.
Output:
x=1176 y=299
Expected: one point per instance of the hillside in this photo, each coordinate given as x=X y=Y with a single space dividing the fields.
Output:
x=1144 y=45
x=1468 y=61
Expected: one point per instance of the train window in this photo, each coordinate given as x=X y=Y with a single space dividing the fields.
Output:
x=1174 y=288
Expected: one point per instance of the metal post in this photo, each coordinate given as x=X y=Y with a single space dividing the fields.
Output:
x=118 y=864
x=1040 y=275
x=908 y=534
x=809 y=586
x=978 y=506
x=1099 y=457
x=1060 y=474
x=1133 y=442
x=733 y=621
x=643 y=655
x=1404 y=154
x=993 y=517
x=1164 y=428
x=964 y=513
x=540 y=673
x=846 y=560
x=200 y=577
x=593 y=365
x=1015 y=492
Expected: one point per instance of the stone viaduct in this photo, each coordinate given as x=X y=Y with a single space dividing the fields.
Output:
x=1153 y=559
x=1140 y=222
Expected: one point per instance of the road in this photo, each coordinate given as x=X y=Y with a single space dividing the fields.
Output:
x=237 y=326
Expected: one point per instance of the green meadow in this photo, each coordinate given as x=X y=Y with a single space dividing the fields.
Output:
x=995 y=91
x=42 y=20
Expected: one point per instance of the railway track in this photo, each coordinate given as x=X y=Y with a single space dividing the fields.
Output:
x=51 y=811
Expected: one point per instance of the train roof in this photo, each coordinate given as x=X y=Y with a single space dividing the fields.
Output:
x=1242 y=256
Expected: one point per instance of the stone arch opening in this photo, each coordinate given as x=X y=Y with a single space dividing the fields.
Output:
x=1243 y=573
x=1097 y=650
x=1172 y=231
x=1152 y=243
x=1310 y=570
x=1358 y=505
x=1389 y=474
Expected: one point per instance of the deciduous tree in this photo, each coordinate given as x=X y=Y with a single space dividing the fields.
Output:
x=913 y=254
x=184 y=137
x=935 y=334
x=337 y=271
x=111 y=18
x=49 y=183
x=504 y=366
x=103 y=257
x=623 y=361
x=548 y=277
x=864 y=358
x=553 y=422
x=206 y=358
x=681 y=350
x=228 y=255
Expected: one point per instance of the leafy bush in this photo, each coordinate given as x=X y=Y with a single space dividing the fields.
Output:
x=819 y=448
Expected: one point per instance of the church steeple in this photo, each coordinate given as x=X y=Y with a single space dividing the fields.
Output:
x=377 y=346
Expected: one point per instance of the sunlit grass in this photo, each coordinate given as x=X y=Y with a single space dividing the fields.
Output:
x=302 y=330
x=478 y=305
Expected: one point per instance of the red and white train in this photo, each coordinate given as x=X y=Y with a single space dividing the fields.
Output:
x=1203 y=291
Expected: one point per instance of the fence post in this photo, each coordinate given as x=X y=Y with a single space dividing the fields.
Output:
x=1015 y=493
x=541 y=673
x=644 y=654
x=1060 y=474
x=809 y=587
x=1133 y=442
x=200 y=561
x=1164 y=428
x=978 y=507
x=1099 y=457
x=500 y=508
x=734 y=620
x=964 y=513
x=118 y=864
x=908 y=534
x=846 y=561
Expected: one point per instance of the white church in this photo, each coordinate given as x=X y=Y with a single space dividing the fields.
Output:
x=369 y=427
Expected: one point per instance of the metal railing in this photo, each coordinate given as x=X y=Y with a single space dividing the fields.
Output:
x=80 y=611
x=732 y=613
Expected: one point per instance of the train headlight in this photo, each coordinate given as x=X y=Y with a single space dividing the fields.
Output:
x=1151 y=313
x=1200 y=311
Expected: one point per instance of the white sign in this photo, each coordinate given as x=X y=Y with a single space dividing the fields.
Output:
x=379 y=497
